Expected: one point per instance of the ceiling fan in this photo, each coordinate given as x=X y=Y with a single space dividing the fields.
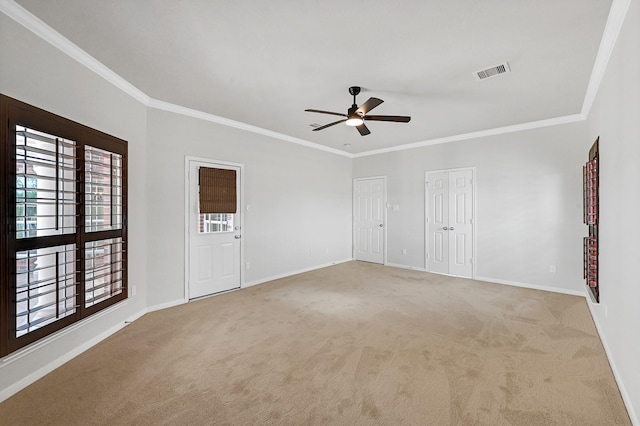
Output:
x=356 y=116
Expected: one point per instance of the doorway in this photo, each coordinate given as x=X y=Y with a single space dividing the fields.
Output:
x=214 y=240
x=449 y=197
x=369 y=199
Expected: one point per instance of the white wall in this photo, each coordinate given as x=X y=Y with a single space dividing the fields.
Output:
x=528 y=203
x=300 y=197
x=528 y=196
x=300 y=201
x=615 y=118
x=33 y=71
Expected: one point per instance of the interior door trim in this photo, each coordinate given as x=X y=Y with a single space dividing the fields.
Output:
x=474 y=213
x=353 y=216
x=213 y=163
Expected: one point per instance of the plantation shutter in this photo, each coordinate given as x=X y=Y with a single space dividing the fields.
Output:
x=64 y=201
x=217 y=191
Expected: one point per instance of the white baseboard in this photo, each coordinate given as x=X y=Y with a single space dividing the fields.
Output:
x=40 y=345
x=413 y=268
x=43 y=371
x=532 y=286
x=616 y=373
x=166 y=305
x=59 y=334
x=499 y=281
x=296 y=272
x=592 y=307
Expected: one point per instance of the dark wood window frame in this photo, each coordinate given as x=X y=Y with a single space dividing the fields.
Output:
x=591 y=206
x=16 y=113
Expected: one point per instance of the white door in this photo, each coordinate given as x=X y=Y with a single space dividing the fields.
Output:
x=214 y=241
x=438 y=222
x=450 y=222
x=369 y=200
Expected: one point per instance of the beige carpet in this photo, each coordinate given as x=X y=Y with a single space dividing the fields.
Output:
x=355 y=343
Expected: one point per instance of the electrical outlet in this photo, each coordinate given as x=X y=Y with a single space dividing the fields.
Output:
x=134 y=290
x=247 y=266
x=404 y=251
x=552 y=269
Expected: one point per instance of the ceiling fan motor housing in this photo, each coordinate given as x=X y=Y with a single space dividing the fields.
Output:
x=354 y=90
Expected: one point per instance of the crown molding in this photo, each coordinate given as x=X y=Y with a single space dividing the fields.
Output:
x=610 y=35
x=32 y=23
x=480 y=134
x=51 y=36
x=177 y=109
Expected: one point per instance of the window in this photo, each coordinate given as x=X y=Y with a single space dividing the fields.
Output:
x=64 y=202
x=211 y=223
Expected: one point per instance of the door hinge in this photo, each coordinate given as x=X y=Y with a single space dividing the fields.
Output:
x=471 y=261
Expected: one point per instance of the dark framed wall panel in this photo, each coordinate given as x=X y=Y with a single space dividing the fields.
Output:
x=64 y=223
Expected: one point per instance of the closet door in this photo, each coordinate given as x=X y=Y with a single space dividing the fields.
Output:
x=438 y=222
x=460 y=223
x=450 y=222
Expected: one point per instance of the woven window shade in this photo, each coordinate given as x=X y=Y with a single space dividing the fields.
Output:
x=217 y=190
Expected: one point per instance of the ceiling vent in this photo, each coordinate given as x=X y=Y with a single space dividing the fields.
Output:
x=494 y=70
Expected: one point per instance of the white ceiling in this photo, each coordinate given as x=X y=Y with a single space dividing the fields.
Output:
x=264 y=62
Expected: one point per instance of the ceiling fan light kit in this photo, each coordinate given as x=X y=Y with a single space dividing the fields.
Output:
x=356 y=116
x=354 y=121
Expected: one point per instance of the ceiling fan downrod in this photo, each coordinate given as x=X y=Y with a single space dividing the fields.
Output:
x=354 y=90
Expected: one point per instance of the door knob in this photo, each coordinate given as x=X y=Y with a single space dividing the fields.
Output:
x=445 y=228
x=381 y=225
x=451 y=229
x=237 y=237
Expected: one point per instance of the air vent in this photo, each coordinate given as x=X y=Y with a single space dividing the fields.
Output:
x=493 y=71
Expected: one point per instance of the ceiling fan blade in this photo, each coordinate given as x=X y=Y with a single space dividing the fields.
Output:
x=326 y=112
x=329 y=125
x=395 y=118
x=364 y=131
x=369 y=105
